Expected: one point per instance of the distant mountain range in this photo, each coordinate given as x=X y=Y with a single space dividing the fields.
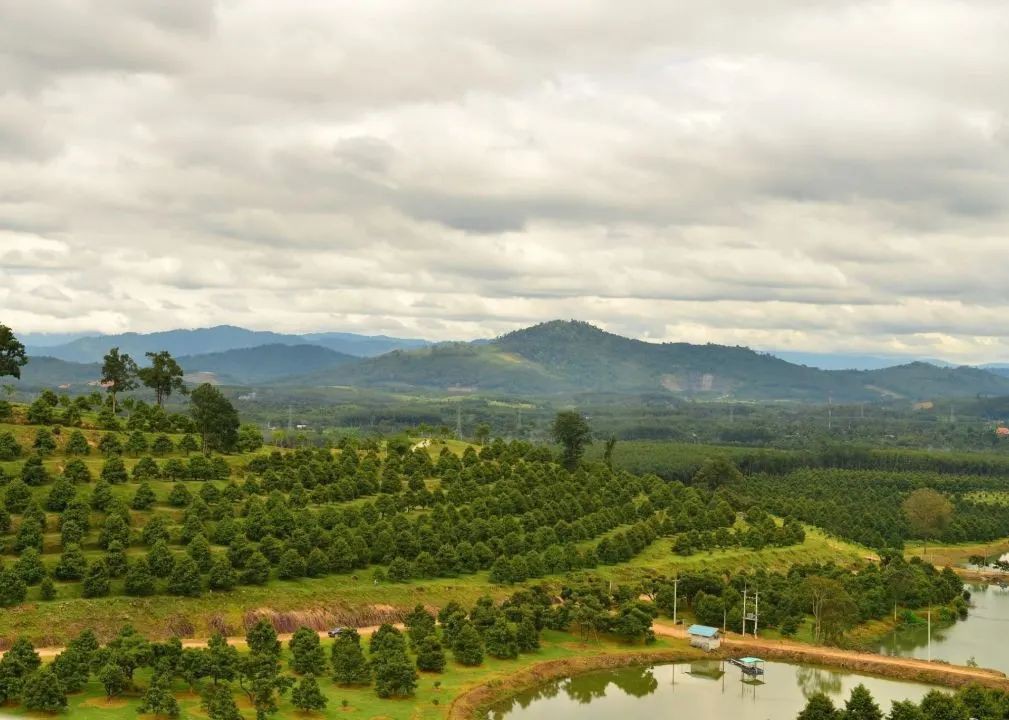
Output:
x=215 y=340
x=553 y=358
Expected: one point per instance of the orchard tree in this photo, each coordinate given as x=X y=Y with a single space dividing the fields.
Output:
x=349 y=664
x=307 y=695
x=215 y=417
x=12 y=353
x=928 y=513
x=219 y=703
x=572 y=433
x=307 y=655
x=163 y=376
x=119 y=374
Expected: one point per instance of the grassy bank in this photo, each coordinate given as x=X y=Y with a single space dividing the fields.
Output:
x=356 y=599
x=561 y=653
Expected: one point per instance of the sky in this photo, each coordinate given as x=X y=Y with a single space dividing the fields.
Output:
x=825 y=175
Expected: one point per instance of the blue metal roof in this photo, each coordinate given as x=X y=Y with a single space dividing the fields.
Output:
x=702 y=630
x=750 y=660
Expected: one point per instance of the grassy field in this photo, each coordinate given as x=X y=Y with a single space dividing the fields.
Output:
x=429 y=703
x=357 y=599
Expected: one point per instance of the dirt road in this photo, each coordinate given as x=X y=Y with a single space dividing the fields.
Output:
x=889 y=666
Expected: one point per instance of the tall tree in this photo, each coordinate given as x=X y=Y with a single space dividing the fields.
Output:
x=119 y=374
x=215 y=418
x=12 y=353
x=163 y=376
x=571 y=432
x=928 y=513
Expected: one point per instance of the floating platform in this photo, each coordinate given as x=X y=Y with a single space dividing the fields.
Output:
x=751 y=666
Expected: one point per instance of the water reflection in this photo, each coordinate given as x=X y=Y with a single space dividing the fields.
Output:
x=708 y=689
x=814 y=680
x=964 y=640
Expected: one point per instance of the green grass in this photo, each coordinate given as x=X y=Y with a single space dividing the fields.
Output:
x=90 y=704
x=344 y=599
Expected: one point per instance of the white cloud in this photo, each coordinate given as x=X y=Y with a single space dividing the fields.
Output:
x=820 y=175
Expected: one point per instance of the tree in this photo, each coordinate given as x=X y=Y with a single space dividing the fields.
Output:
x=938 y=705
x=500 y=640
x=215 y=417
x=72 y=565
x=17 y=664
x=128 y=651
x=307 y=696
x=44 y=692
x=571 y=432
x=77 y=444
x=96 y=581
x=219 y=703
x=927 y=512
x=419 y=624
x=819 y=707
x=188 y=444
x=861 y=706
x=119 y=373
x=158 y=699
x=222 y=659
x=468 y=646
x=163 y=375
x=307 y=655
x=199 y=550
x=905 y=710
x=222 y=575
x=395 y=675
x=430 y=655
x=114 y=471
x=29 y=566
x=291 y=565
x=13 y=589
x=162 y=445
x=348 y=661
x=185 y=578
x=139 y=578
x=113 y=679
x=161 y=559
x=12 y=353
x=262 y=639
x=44 y=443
x=250 y=438
x=10 y=448
x=136 y=443
x=144 y=498
x=717 y=472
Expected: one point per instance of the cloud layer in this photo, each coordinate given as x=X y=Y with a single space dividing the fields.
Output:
x=817 y=175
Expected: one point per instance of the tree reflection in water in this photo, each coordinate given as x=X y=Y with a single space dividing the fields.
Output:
x=814 y=680
x=634 y=681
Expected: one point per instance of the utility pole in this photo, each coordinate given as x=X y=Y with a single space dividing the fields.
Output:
x=756 y=611
x=676 y=595
x=744 y=609
x=458 y=422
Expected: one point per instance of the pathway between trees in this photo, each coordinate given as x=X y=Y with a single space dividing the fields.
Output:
x=785 y=650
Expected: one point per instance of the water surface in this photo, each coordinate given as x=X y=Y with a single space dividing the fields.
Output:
x=695 y=690
x=983 y=636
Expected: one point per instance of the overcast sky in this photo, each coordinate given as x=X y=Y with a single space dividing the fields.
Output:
x=820 y=175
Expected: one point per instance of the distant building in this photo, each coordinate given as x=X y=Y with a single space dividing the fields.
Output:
x=1002 y=431
x=705 y=637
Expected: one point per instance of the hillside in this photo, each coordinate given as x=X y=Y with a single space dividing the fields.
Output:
x=262 y=364
x=559 y=358
x=564 y=357
x=214 y=340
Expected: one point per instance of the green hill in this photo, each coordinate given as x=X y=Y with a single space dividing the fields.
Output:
x=561 y=357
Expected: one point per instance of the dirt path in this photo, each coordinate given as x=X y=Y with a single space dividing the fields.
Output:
x=47 y=653
x=895 y=667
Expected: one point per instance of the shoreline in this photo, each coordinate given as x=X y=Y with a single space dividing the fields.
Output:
x=476 y=701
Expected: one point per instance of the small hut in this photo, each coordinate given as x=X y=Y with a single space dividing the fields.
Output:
x=705 y=637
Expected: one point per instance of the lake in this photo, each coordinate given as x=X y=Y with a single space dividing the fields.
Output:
x=695 y=690
x=978 y=637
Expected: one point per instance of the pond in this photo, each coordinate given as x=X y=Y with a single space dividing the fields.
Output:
x=978 y=637
x=707 y=689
